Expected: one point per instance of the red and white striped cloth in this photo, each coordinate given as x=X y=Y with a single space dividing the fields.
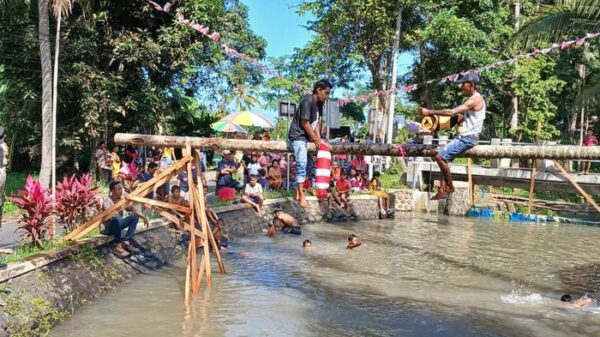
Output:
x=323 y=171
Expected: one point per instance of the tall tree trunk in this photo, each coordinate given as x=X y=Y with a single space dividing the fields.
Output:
x=45 y=55
x=514 y=118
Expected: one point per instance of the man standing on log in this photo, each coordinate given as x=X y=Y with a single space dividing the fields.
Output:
x=305 y=128
x=473 y=110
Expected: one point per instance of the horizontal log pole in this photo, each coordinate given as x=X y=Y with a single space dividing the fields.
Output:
x=558 y=152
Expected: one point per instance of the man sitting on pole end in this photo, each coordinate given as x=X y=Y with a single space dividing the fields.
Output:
x=474 y=115
x=304 y=127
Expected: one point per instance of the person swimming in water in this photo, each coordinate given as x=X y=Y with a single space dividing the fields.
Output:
x=272 y=230
x=353 y=242
x=307 y=244
x=289 y=223
x=583 y=302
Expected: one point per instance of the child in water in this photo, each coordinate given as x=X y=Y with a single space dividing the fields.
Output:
x=222 y=241
x=307 y=244
x=353 y=242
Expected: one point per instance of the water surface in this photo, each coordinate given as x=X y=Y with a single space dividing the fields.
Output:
x=418 y=275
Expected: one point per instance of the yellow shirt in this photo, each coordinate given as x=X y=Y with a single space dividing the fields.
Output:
x=116 y=166
x=169 y=152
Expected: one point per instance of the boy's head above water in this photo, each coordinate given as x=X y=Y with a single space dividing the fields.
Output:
x=353 y=239
x=307 y=244
x=220 y=224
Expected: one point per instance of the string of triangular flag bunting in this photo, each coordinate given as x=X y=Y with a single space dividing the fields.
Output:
x=216 y=37
x=409 y=88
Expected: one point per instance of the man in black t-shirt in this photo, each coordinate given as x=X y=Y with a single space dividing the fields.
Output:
x=305 y=128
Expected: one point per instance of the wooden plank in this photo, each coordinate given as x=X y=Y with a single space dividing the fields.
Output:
x=576 y=185
x=192 y=256
x=531 y=187
x=186 y=225
x=470 y=182
x=202 y=212
x=161 y=204
x=142 y=190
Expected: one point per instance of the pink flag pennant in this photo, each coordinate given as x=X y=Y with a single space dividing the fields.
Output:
x=168 y=7
x=156 y=6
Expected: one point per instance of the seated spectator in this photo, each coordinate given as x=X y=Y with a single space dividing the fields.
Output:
x=245 y=162
x=336 y=171
x=176 y=198
x=275 y=177
x=359 y=163
x=289 y=223
x=253 y=194
x=265 y=161
x=364 y=182
x=147 y=175
x=382 y=198
x=253 y=166
x=343 y=190
x=293 y=167
x=117 y=224
x=225 y=170
x=184 y=183
x=354 y=181
x=257 y=136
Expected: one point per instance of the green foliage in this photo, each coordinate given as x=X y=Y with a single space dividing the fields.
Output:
x=124 y=67
x=27 y=250
x=35 y=310
x=390 y=179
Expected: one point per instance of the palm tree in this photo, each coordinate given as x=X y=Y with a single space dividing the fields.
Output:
x=45 y=56
x=61 y=7
x=566 y=19
x=243 y=98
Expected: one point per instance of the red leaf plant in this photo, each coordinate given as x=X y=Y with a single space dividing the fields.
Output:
x=76 y=200
x=130 y=179
x=36 y=201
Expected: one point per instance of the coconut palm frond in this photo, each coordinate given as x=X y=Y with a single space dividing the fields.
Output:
x=566 y=19
x=590 y=95
x=62 y=6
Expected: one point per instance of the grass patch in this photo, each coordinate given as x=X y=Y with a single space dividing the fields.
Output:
x=390 y=179
x=11 y=209
x=24 y=251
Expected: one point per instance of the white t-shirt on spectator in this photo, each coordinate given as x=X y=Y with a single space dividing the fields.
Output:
x=256 y=189
x=253 y=169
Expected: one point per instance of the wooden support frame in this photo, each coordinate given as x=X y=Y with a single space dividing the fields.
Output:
x=158 y=203
x=531 y=187
x=576 y=185
x=119 y=206
x=471 y=186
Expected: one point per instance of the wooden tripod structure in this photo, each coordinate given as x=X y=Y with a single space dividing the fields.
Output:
x=196 y=212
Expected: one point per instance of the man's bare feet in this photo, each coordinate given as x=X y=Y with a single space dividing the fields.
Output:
x=127 y=246
x=118 y=247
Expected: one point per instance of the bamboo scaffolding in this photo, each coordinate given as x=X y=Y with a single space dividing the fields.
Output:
x=559 y=152
x=531 y=187
x=471 y=186
x=192 y=261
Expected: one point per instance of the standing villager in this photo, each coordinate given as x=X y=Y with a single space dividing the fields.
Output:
x=104 y=162
x=588 y=140
x=305 y=128
x=473 y=110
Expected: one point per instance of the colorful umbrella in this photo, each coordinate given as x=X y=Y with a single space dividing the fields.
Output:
x=248 y=118
x=227 y=126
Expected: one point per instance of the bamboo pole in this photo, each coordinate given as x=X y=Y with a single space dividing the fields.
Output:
x=161 y=204
x=186 y=225
x=201 y=210
x=205 y=229
x=531 y=188
x=559 y=152
x=576 y=185
x=470 y=182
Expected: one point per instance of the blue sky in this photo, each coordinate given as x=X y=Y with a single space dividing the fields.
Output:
x=278 y=23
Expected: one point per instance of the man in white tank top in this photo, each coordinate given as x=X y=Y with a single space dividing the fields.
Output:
x=473 y=110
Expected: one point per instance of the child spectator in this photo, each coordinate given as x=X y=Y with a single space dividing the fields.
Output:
x=336 y=171
x=275 y=177
x=253 y=194
x=359 y=163
x=354 y=181
x=382 y=198
x=116 y=162
x=343 y=190
x=177 y=199
x=364 y=182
